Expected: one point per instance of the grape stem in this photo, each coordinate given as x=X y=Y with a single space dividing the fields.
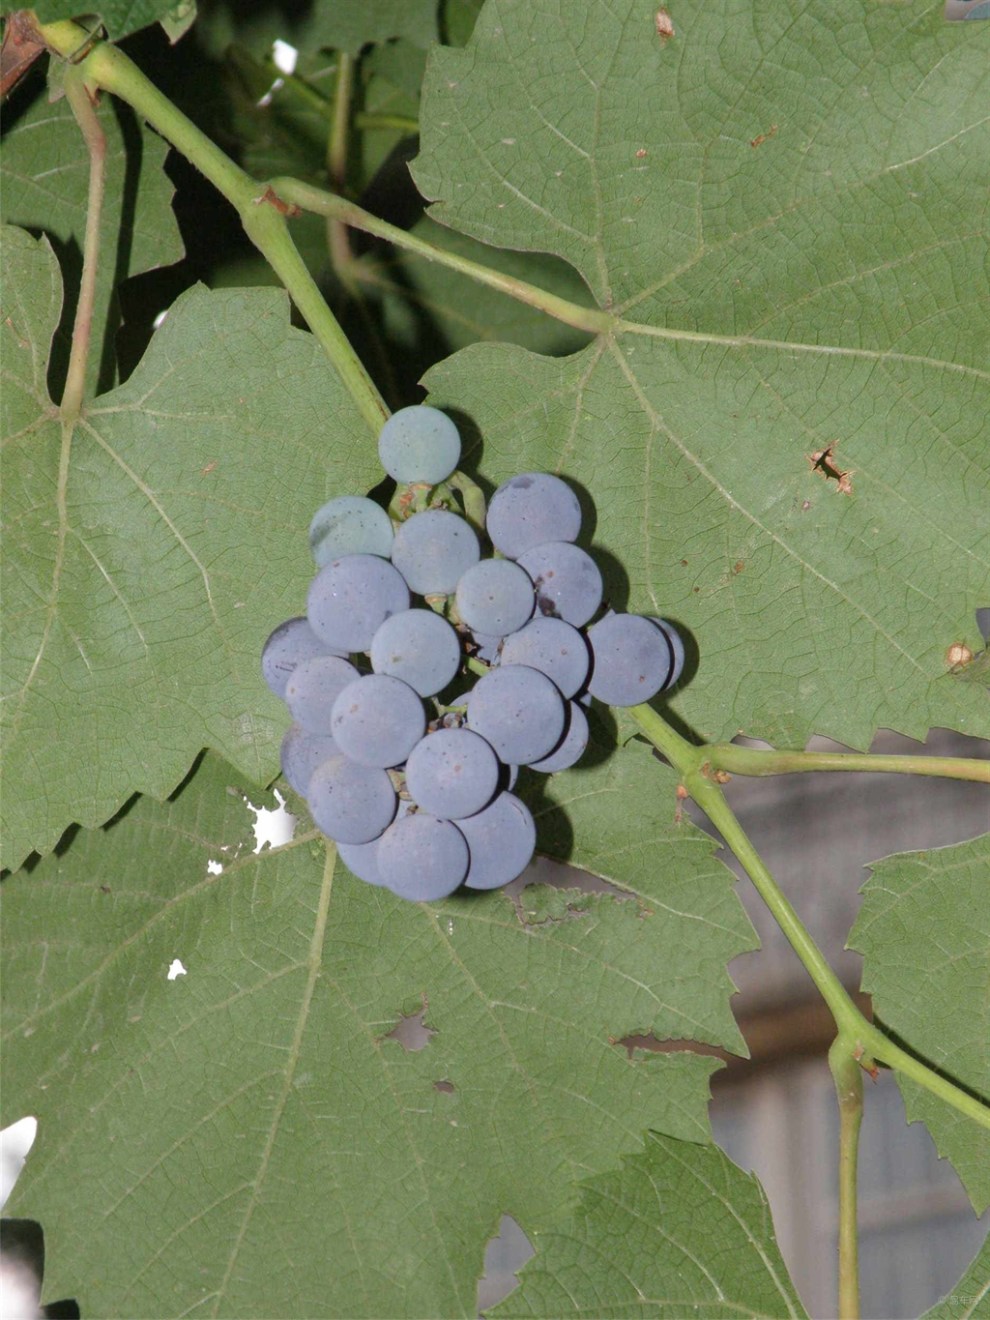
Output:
x=262 y=211
x=848 y=1078
x=870 y=1043
x=760 y=762
x=308 y=198
x=81 y=100
x=338 y=239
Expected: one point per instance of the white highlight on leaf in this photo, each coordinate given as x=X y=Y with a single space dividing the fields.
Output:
x=15 y=1142
x=284 y=56
x=176 y=969
x=20 y=1291
x=214 y=868
x=159 y=319
x=272 y=827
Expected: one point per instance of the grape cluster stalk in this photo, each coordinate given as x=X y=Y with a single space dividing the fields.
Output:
x=407 y=768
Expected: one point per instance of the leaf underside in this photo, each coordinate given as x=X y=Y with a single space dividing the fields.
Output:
x=785 y=439
x=257 y=1108
x=677 y=1231
x=924 y=933
x=138 y=581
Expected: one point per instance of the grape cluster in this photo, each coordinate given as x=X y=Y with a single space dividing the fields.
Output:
x=409 y=771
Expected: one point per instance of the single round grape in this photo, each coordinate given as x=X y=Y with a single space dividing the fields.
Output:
x=530 y=510
x=452 y=773
x=501 y=840
x=419 y=443
x=433 y=549
x=313 y=688
x=361 y=859
x=495 y=597
x=349 y=525
x=519 y=711
x=419 y=647
x=422 y=858
x=377 y=720
x=676 y=649
x=350 y=598
x=302 y=752
x=553 y=647
x=290 y=644
x=567 y=581
x=571 y=747
x=630 y=659
x=351 y=803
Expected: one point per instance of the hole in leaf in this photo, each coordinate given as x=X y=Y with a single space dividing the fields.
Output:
x=411 y=1030
x=505 y=1256
x=651 y=1044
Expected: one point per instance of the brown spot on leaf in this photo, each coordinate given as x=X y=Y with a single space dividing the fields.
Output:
x=641 y=153
x=738 y=566
x=958 y=655
x=664 y=26
x=448 y=1088
x=760 y=138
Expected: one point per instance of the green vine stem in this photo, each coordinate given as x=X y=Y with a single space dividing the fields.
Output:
x=848 y=1077
x=262 y=211
x=338 y=240
x=757 y=761
x=308 y=198
x=81 y=101
x=871 y=1044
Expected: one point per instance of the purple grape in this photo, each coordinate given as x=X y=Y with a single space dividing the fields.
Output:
x=377 y=720
x=530 y=510
x=501 y=840
x=452 y=773
x=567 y=581
x=351 y=598
x=422 y=858
x=519 y=711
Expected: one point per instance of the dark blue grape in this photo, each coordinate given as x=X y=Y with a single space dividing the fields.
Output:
x=530 y=510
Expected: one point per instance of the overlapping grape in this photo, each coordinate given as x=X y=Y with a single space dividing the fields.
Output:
x=407 y=767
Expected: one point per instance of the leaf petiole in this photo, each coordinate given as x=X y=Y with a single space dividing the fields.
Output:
x=758 y=761
x=847 y=1073
x=692 y=763
x=77 y=93
x=590 y=319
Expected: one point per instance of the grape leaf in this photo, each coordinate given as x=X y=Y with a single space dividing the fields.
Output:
x=118 y=17
x=149 y=552
x=679 y=1230
x=926 y=951
x=782 y=428
x=45 y=181
x=258 y=1104
x=971 y=1296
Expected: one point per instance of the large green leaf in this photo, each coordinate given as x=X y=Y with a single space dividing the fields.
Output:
x=785 y=215
x=970 y=1298
x=150 y=550
x=45 y=183
x=257 y=1109
x=678 y=1231
x=924 y=933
